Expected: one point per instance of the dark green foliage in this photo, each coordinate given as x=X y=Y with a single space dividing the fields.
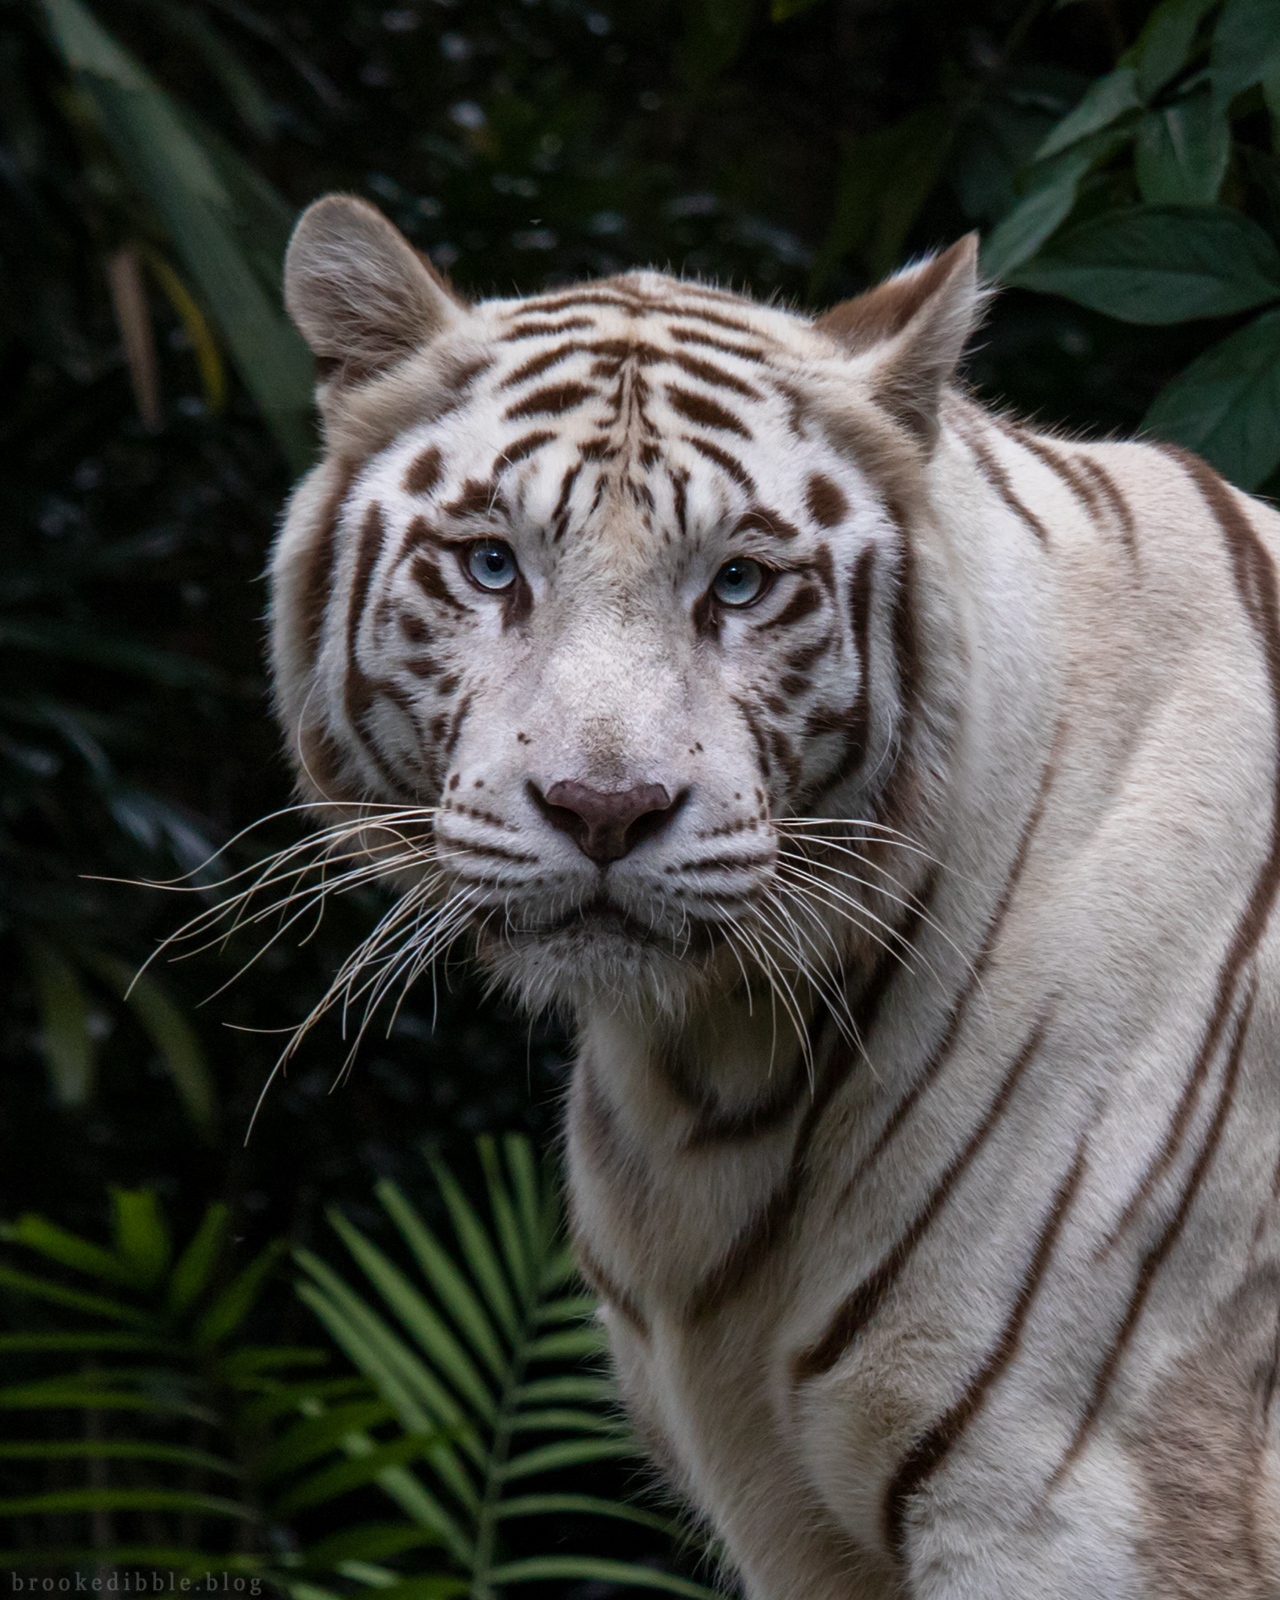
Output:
x=140 y=1428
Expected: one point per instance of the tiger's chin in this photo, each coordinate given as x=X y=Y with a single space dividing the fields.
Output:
x=598 y=956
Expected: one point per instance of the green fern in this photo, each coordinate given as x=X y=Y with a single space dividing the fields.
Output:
x=133 y=1378
x=480 y=1358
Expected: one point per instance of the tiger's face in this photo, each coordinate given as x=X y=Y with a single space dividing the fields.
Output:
x=603 y=590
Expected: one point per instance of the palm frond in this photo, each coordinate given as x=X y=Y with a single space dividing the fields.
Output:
x=493 y=1345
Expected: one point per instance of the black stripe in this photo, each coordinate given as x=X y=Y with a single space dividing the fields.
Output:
x=929 y=1452
x=756 y=1239
x=724 y=461
x=1159 y=1252
x=1255 y=582
x=858 y=1308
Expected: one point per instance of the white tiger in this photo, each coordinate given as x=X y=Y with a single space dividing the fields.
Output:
x=890 y=793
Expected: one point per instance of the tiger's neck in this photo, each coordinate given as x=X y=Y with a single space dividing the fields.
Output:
x=684 y=1137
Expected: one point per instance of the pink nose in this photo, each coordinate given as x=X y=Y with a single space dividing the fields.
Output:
x=606 y=824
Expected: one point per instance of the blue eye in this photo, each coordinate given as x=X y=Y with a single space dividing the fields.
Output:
x=492 y=564
x=739 y=582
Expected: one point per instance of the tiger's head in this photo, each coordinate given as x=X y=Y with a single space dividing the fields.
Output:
x=595 y=628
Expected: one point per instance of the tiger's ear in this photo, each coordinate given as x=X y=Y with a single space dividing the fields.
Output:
x=913 y=327
x=358 y=292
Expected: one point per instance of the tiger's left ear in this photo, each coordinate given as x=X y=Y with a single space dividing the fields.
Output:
x=914 y=326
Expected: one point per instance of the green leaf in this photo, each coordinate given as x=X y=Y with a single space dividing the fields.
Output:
x=1047 y=205
x=443 y=1276
x=572 y=1308
x=571 y=1344
x=52 y=1343
x=369 y=1541
x=1105 y=101
x=565 y=1419
x=1160 y=264
x=252 y=104
x=341 y=1477
x=1226 y=405
x=1181 y=153
x=1164 y=46
x=517 y=1249
x=140 y=1233
x=78 y=1394
x=408 y=1386
x=55 y=1294
x=174 y=1039
x=66 y=1042
x=477 y=1249
x=236 y=1301
x=69 y=1250
x=418 y=1317
x=115 y=1450
x=144 y=1500
x=524 y=1181
x=1246 y=38
x=587 y=1569
x=568 y=1453
x=316 y=1436
x=172 y=167
x=197 y=1262
x=570 y=1387
x=538 y=1505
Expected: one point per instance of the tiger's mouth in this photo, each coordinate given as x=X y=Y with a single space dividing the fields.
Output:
x=601 y=924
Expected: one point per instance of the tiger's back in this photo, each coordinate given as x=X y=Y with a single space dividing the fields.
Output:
x=952 y=1271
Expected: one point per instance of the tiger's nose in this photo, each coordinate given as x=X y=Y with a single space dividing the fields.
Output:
x=606 y=824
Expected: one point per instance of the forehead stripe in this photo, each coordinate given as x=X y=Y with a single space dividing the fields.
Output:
x=745 y=352
x=704 y=411
x=537 y=330
x=524 y=446
x=724 y=461
x=551 y=401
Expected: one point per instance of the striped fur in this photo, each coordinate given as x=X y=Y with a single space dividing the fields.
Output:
x=924 y=1139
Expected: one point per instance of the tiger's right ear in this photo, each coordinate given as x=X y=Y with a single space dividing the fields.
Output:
x=358 y=292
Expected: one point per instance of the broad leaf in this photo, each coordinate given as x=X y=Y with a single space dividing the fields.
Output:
x=1246 y=39
x=1105 y=101
x=1164 y=45
x=1160 y=264
x=1181 y=152
x=1226 y=405
x=1051 y=197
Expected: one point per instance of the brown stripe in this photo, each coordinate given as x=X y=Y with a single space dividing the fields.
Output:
x=1083 y=491
x=699 y=408
x=807 y=598
x=541 y=330
x=713 y=1125
x=825 y=500
x=535 y=366
x=1159 y=1252
x=606 y=1289
x=955 y=1021
x=358 y=689
x=317 y=571
x=524 y=446
x=745 y=352
x=1120 y=507
x=764 y=520
x=756 y=1239
x=697 y=314
x=930 y=1452
x=708 y=372
x=424 y=472
x=551 y=401
x=859 y=1307
x=998 y=478
x=724 y=461
x=1255 y=581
